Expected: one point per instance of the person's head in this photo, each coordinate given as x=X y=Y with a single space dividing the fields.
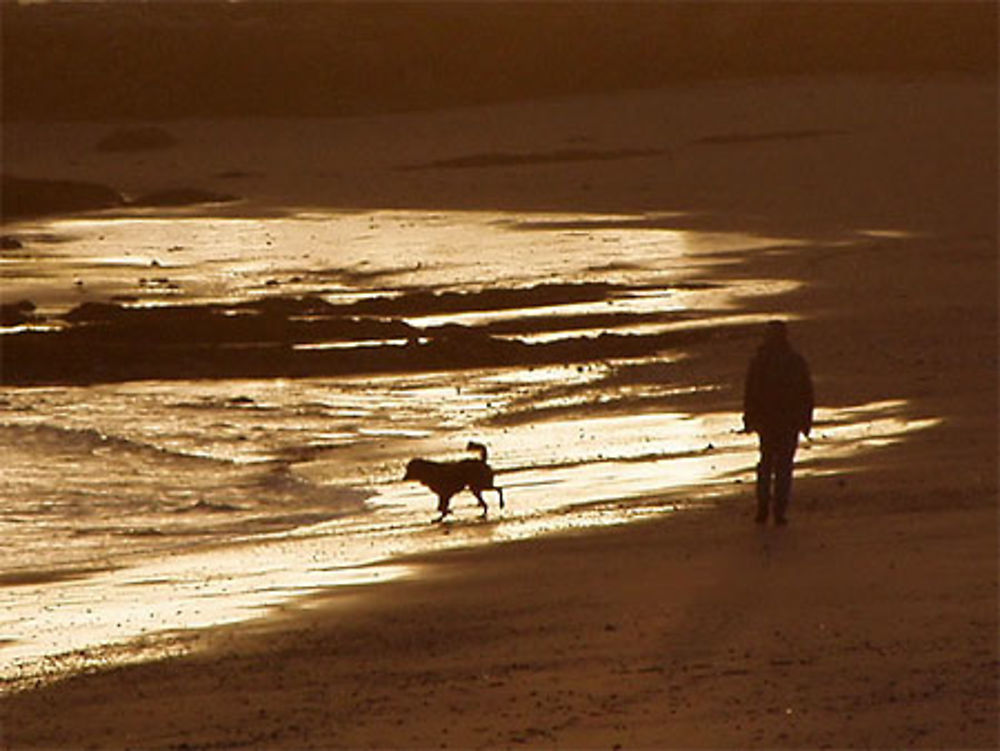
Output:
x=776 y=332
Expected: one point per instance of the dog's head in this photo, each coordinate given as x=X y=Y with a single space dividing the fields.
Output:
x=414 y=469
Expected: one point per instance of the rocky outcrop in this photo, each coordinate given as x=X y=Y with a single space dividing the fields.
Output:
x=17 y=313
x=23 y=197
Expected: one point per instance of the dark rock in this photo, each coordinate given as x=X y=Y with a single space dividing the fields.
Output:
x=24 y=197
x=95 y=312
x=18 y=313
x=290 y=306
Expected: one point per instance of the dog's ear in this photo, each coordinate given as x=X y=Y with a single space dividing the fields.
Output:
x=409 y=470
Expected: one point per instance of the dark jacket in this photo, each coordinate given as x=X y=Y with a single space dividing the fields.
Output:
x=778 y=395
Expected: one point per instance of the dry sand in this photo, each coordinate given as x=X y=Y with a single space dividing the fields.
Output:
x=870 y=622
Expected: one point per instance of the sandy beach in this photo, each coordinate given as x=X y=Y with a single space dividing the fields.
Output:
x=865 y=207
x=864 y=629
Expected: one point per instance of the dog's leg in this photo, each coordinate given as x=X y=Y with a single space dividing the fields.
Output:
x=443 y=510
x=499 y=493
x=479 y=497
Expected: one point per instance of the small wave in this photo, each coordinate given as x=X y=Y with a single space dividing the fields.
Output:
x=35 y=576
x=302 y=520
x=140 y=532
x=89 y=531
x=241 y=403
x=210 y=507
x=282 y=484
x=151 y=532
x=57 y=439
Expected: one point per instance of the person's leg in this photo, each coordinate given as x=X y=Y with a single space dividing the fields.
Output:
x=784 y=459
x=765 y=469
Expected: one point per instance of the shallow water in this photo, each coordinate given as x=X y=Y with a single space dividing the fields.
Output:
x=136 y=510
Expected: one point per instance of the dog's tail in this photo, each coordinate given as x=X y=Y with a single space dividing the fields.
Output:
x=474 y=446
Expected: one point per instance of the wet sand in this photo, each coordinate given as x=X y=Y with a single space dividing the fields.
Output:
x=871 y=621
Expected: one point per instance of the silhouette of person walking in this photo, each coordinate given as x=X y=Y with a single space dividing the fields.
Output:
x=777 y=405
